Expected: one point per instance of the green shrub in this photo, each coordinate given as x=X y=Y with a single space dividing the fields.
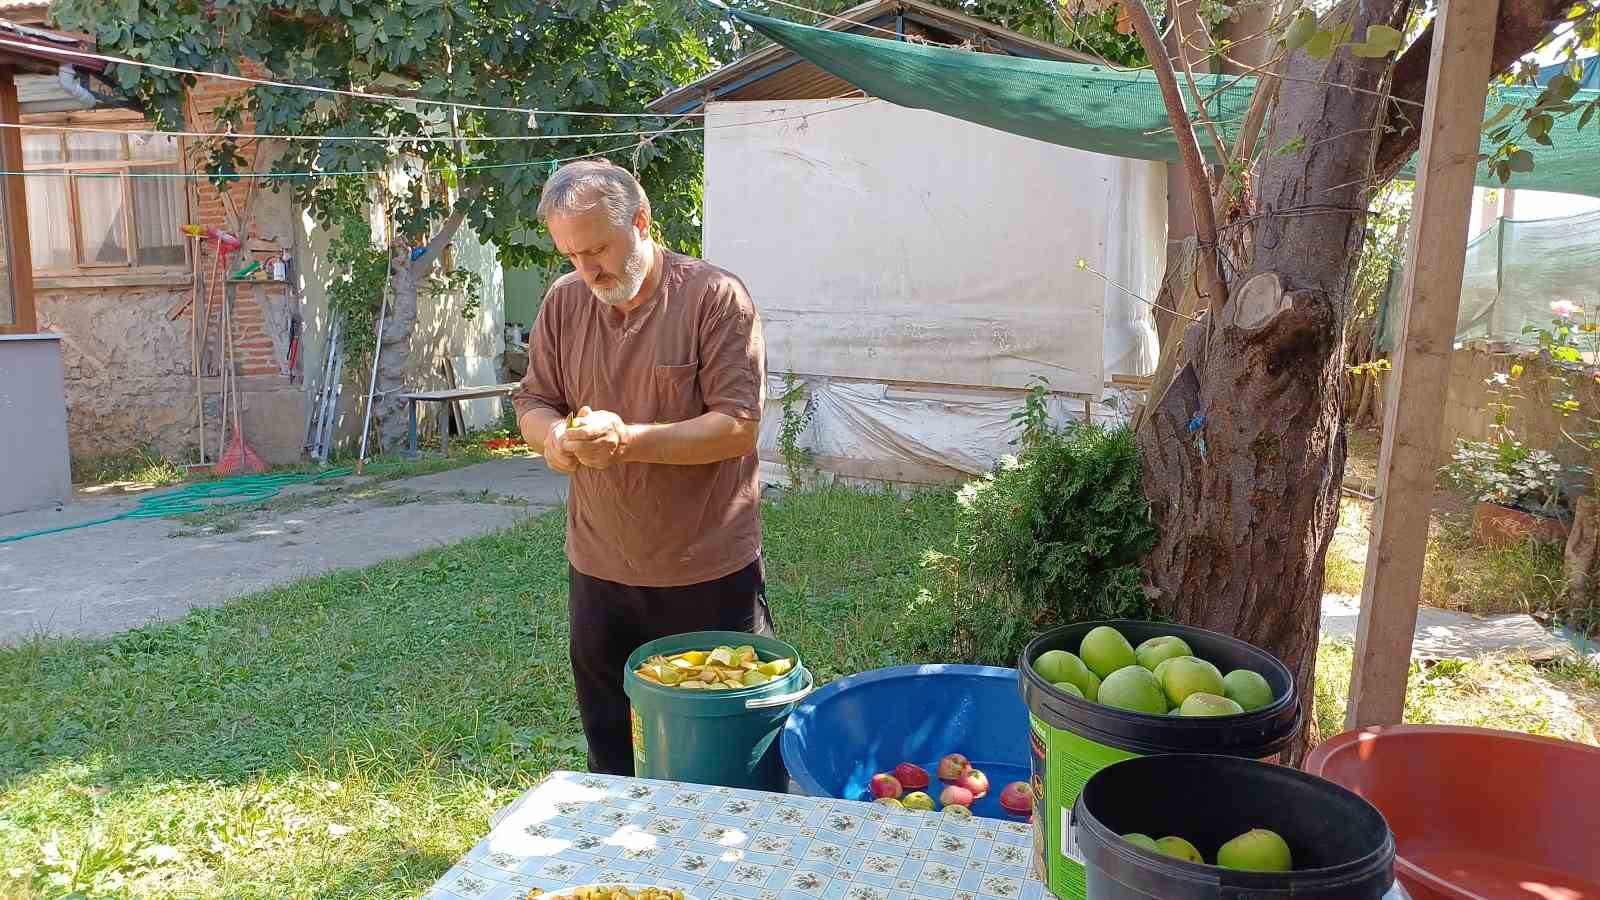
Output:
x=1051 y=537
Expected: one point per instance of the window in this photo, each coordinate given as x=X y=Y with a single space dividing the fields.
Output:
x=86 y=218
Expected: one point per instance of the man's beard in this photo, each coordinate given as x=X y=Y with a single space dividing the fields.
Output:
x=635 y=270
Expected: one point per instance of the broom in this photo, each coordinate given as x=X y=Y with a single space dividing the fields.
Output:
x=238 y=456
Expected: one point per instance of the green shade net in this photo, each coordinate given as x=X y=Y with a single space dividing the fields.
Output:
x=1118 y=113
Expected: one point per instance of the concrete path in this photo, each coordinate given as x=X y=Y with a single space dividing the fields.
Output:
x=1445 y=634
x=109 y=578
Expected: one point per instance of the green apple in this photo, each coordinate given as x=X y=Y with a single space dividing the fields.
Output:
x=1187 y=675
x=1257 y=850
x=1178 y=848
x=917 y=800
x=1069 y=687
x=1091 y=688
x=1203 y=704
x=1161 y=668
x=1141 y=840
x=1247 y=688
x=1105 y=650
x=1056 y=666
x=1135 y=689
x=1151 y=653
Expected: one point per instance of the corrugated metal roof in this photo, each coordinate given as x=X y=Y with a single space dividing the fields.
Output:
x=774 y=73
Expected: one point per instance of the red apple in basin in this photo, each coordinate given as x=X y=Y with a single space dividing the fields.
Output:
x=955 y=795
x=976 y=782
x=953 y=768
x=1017 y=798
x=912 y=778
x=885 y=786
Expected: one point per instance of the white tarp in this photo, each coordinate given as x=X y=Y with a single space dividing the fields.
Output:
x=899 y=245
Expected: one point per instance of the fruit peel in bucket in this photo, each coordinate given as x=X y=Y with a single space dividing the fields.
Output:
x=719 y=669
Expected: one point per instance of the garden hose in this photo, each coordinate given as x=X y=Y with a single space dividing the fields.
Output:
x=200 y=496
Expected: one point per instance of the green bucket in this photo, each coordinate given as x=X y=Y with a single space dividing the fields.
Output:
x=1074 y=738
x=725 y=738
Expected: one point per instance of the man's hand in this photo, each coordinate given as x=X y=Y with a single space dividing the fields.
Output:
x=598 y=438
x=556 y=454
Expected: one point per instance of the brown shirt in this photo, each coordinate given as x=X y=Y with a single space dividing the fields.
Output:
x=693 y=347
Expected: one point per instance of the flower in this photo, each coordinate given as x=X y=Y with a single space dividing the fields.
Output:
x=1516 y=370
x=1566 y=309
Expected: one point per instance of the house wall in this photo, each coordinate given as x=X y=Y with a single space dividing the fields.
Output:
x=126 y=342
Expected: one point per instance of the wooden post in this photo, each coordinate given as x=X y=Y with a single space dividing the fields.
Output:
x=14 y=197
x=1458 y=77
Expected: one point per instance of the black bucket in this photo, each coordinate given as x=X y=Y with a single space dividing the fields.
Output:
x=1341 y=845
x=1073 y=738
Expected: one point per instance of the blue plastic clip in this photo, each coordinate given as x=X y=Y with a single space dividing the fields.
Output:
x=1196 y=423
x=416 y=253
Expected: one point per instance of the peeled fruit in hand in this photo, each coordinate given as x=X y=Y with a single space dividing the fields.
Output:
x=1153 y=652
x=976 y=782
x=1141 y=840
x=1257 y=850
x=1056 y=666
x=1247 y=688
x=1178 y=848
x=1104 y=650
x=953 y=768
x=1068 y=687
x=886 y=786
x=1203 y=704
x=912 y=778
x=1135 y=689
x=917 y=800
x=1017 y=798
x=1187 y=675
x=890 y=802
x=955 y=795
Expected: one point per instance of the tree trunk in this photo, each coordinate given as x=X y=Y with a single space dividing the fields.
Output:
x=1244 y=454
x=393 y=354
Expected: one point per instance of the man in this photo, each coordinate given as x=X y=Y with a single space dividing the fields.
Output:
x=659 y=360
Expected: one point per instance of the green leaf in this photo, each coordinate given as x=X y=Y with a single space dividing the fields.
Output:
x=1588 y=113
x=1500 y=135
x=1291 y=146
x=1541 y=124
x=1563 y=86
x=1499 y=116
x=1381 y=41
x=1502 y=171
x=1301 y=30
x=1520 y=161
x=1544 y=139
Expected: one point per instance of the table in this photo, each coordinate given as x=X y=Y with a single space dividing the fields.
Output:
x=725 y=844
x=444 y=399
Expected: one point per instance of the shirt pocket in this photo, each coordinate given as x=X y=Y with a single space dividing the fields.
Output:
x=677 y=393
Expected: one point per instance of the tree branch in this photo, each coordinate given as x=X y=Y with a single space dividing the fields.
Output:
x=1522 y=25
x=447 y=230
x=1194 y=164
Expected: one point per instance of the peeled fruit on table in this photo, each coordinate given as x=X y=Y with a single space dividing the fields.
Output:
x=890 y=802
x=957 y=812
x=911 y=777
x=1187 y=675
x=1068 y=687
x=1153 y=652
x=722 y=669
x=1257 y=850
x=917 y=800
x=953 y=768
x=1017 y=798
x=1246 y=688
x=1141 y=840
x=1135 y=689
x=976 y=782
x=885 y=786
x=1202 y=704
x=955 y=795
x=1057 y=666
x=1178 y=848
x=1104 y=650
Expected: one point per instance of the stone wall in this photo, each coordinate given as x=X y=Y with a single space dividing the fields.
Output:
x=1533 y=418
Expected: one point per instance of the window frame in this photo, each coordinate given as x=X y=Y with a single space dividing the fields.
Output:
x=72 y=170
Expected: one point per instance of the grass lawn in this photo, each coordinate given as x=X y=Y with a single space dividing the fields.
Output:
x=349 y=735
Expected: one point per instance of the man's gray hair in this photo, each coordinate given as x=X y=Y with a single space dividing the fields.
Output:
x=578 y=187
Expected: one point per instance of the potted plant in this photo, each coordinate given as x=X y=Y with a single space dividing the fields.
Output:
x=1518 y=491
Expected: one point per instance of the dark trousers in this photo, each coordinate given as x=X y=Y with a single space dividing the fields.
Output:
x=611 y=620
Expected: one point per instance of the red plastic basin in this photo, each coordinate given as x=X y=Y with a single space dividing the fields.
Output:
x=1477 y=813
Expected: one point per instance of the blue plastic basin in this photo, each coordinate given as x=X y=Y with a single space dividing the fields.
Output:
x=856 y=727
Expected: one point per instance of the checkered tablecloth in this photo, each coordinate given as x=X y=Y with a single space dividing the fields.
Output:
x=722 y=844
